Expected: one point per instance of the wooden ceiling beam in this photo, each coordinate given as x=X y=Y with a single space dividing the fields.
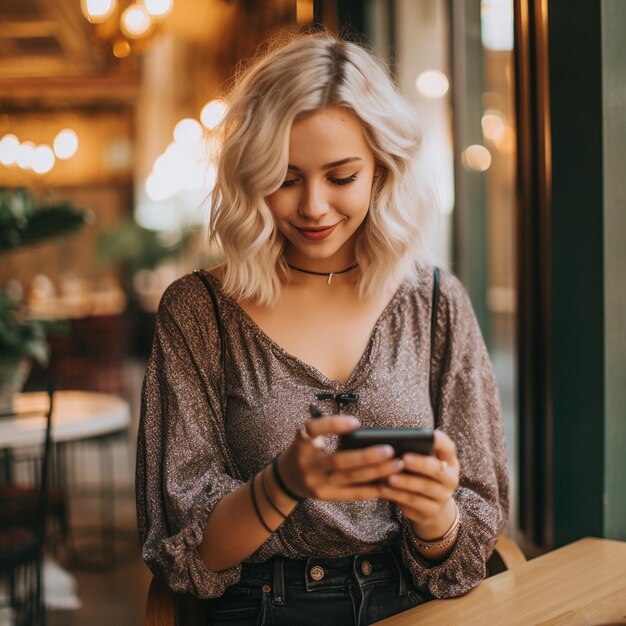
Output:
x=20 y=30
x=35 y=92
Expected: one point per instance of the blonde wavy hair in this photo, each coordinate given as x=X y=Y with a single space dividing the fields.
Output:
x=290 y=80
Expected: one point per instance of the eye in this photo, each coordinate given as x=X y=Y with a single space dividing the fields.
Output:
x=343 y=181
x=289 y=182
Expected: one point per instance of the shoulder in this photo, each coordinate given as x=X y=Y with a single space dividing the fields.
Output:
x=455 y=316
x=181 y=293
x=187 y=299
x=452 y=292
x=453 y=303
x=421 y=284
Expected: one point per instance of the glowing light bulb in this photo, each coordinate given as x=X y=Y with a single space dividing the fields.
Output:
x=213 y=113
x=493 y=125
x=159 y=9
x=135 y=21
x=476 y=157
x=26 y=155
x=9 y=149
x=98 y=11
x=188 y=131
x=65 y=144
x=160 y=188
x=121 y=48
x=43 y=160
x=432 y=84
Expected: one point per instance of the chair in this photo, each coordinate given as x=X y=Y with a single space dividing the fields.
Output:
x=166 y=608
x=22 y=539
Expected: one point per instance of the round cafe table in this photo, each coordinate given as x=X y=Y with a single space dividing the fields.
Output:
x=78 y=416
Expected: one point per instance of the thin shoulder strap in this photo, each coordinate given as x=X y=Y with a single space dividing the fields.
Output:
x=433 y=332
x=218 y=319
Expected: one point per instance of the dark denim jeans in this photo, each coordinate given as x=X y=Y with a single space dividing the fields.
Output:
x=348 y=591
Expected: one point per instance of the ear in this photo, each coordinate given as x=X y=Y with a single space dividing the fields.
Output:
x=377 y=172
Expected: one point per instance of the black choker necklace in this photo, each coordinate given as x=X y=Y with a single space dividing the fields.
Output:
x=329 y=274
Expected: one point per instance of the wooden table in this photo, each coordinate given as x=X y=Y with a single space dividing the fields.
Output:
x=583 y=583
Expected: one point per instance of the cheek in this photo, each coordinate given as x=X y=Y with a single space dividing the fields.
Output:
x=277 y=205
x=360 y=195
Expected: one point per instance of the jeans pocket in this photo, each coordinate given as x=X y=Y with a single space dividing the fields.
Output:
x=240 y=605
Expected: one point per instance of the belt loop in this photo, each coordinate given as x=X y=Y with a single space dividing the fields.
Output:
x=401 y=579
x=278 y=588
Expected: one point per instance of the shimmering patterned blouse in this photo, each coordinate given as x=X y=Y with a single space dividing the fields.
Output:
x=202 y=434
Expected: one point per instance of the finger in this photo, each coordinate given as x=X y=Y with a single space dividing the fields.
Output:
x=367 y=474
x=432 y=467
x=348 y=459
x=420 y=485
x=331 y=425
x=444 y=447
x=420 y=503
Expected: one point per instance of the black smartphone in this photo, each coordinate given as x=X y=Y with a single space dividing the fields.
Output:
x=402 y=440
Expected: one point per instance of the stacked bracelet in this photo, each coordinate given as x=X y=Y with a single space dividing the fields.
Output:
x=269 y=499
x=281 y=482
x=442 y=542
x=256 y=505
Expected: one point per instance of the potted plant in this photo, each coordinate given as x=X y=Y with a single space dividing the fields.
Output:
x=21 y=340
x=25 y=221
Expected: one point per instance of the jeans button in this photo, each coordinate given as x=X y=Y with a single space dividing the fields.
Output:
x=366 y=568
x=317 y=572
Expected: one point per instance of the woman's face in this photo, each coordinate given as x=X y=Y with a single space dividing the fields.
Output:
x=326 y=193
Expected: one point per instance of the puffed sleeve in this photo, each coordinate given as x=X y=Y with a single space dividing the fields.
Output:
x=182 y=459
x=468 y=410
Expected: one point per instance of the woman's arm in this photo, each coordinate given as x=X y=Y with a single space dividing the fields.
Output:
x=234 y=530
x=468 y=412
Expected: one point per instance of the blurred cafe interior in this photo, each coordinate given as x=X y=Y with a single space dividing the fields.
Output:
x=106 y=115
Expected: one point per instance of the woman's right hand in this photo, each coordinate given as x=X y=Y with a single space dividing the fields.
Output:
x=310 y=472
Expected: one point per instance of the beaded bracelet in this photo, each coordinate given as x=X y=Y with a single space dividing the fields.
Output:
x=442 y=542
x=281 y=482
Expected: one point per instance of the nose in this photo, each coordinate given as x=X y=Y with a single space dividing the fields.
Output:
x=314 y=203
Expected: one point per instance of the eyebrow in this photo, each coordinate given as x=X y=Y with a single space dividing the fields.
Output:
x=329 y=165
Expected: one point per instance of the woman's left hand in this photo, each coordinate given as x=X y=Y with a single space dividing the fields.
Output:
x=423 y=491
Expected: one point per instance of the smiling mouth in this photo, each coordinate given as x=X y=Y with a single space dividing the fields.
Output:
x=319 y=232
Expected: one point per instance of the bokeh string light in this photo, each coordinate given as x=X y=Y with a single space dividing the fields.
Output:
x=183 y=175
x=40 y=158
x=126 y=24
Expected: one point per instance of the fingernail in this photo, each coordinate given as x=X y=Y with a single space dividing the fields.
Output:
x=353 y=420
x=314 y=411
x=392 y=480
x=386 y=451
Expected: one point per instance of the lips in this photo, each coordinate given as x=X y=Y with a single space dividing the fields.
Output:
x=317 y=233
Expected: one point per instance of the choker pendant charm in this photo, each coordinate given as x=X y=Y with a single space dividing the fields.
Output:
x=330 y=277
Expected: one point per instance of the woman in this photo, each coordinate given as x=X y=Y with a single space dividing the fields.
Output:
x=323 y=304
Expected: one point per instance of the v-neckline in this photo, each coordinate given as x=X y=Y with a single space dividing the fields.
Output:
x=362 y=365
